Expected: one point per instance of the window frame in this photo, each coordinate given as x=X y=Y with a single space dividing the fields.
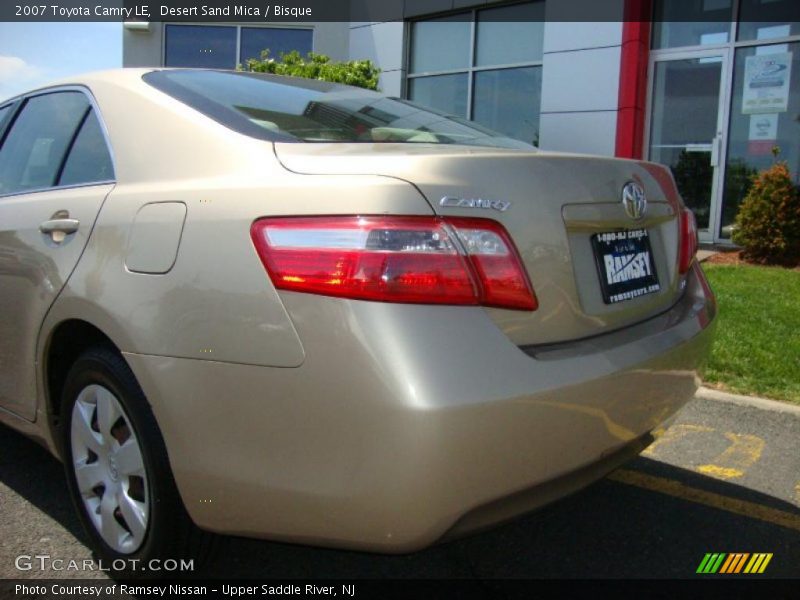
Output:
x=18 y=105
x=5 y=126
x=733 y=38
x=728 y=50
x=238 y=28
x=471 y=68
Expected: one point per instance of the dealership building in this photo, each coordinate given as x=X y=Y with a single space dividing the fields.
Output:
x=708 y=87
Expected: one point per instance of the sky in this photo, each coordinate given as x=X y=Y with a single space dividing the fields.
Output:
x=32 y=54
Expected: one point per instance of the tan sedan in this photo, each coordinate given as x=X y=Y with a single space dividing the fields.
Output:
x=288 y=309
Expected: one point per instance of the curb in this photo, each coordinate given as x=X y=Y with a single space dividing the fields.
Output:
x=705 y=393
x=704 y=255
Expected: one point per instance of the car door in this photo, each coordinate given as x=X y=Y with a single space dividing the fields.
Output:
x=55 y=172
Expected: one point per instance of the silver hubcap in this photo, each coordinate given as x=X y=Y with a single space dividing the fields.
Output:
x=109 y=470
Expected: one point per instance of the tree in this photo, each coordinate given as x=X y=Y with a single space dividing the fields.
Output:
x=359 y=73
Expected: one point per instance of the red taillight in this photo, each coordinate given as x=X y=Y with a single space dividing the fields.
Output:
x=426 y=260
x=496 y=262
x=688 y=240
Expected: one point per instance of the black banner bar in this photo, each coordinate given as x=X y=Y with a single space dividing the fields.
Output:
x=76 y=589
x=308 y=11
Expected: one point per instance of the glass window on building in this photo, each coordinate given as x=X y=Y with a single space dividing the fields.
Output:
x=766 y=20
x=503 y=100
x=200 y=46
x=447 y=93
x=765 y=114
x=485 y=65
x=215 y=46
x=683 y=125
x=440 y=44
x=695 y=23
x=278 y=41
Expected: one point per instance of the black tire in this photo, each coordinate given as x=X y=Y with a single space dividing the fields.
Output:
x=169 y=532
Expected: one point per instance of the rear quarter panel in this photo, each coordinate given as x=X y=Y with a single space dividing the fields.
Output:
x=216 y=302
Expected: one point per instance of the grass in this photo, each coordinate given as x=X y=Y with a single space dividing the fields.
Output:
x=757 y=346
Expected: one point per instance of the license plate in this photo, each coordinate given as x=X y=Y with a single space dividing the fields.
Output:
x=625 y=264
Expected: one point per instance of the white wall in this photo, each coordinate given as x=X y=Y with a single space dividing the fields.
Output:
x=142 y=48
x=383 y=44
x=580 y=82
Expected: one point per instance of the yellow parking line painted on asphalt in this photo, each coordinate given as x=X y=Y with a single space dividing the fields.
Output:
x=673 y=434
x=670 y=487
x=745 y=451
x=718 y=472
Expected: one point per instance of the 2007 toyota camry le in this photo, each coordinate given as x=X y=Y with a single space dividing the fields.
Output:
x=295 y=310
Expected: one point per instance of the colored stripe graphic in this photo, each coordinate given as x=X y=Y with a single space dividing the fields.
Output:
x=716 y=565
x=734 y=563
x=741 y=562
x=727 y=564
x=711 y=563
x=758 y=563
x=703 y=563
x=755 y=562
x=765 y=563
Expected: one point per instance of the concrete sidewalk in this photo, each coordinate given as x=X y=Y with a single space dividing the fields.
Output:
x=703 y=255
x=753 y=401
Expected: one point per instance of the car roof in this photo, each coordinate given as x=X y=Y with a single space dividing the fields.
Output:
x=126 y=76
x=132 y=76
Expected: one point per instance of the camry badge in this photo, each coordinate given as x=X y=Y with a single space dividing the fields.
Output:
x=634 y=200
x=452 y=202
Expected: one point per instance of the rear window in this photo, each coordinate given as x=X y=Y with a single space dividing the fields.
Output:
x=291 y=109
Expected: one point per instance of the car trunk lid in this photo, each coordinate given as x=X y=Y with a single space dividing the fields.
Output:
x=552 y=206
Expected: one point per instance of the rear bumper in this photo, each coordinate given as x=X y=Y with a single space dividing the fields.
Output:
x=508 y=507
x=404 y=419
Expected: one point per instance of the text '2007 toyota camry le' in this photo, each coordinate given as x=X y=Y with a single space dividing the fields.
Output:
x=294 y=310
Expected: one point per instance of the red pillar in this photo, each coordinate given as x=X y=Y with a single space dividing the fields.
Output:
x=633 y=79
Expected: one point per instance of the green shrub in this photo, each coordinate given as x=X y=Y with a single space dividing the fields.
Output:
x=360 y=73
x=768 y=221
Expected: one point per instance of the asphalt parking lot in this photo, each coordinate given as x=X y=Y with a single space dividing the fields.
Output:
x=724 y=478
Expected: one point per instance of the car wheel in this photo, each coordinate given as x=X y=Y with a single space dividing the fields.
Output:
x=118 y=471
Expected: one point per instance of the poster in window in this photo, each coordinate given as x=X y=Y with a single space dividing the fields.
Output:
x=766 y=83
x=763 y=134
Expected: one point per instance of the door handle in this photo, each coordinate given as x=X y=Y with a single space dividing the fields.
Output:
x=716 y=150
x=65 y=226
